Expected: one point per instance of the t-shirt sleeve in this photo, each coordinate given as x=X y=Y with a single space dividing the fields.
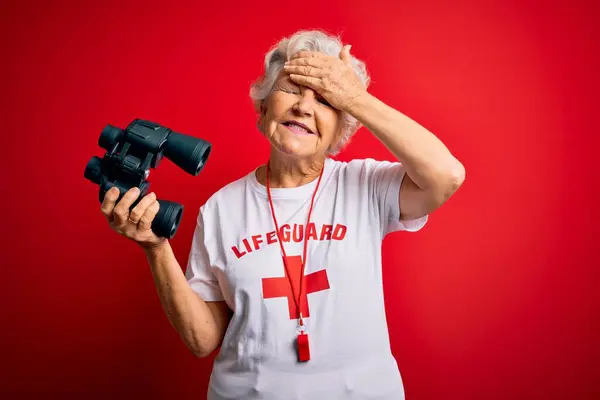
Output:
x=200 y=273
x=384 y=180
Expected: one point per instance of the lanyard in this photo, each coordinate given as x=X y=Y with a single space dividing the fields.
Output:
x=303 y=349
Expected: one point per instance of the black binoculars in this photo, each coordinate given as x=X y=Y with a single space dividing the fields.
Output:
x=130 y=153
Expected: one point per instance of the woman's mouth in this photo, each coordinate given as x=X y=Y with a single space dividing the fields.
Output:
x=298 y=128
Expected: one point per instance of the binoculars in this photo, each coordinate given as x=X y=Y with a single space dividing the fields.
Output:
x=132 y=152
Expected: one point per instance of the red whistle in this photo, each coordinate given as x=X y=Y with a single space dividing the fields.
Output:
x=303 y=347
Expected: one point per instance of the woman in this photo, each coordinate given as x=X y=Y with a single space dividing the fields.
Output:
x=302 y=214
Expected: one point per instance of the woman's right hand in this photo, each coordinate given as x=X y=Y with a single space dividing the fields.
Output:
x=135 y=225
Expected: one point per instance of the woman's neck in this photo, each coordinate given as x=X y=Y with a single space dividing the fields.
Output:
x=289 y=173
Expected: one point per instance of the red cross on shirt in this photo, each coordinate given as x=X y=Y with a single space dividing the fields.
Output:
x=280 y=287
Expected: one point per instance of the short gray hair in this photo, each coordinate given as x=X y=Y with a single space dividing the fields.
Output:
x=309 y=40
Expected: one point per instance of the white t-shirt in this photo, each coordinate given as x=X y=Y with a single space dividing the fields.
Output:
x=235 y=256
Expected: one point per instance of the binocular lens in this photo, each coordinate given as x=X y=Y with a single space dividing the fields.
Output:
x=167 y=219
x=187 y=152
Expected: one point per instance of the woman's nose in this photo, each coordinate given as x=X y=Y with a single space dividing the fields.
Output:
x=305 y=103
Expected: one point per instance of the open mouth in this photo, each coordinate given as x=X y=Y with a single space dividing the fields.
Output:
x=298 y=128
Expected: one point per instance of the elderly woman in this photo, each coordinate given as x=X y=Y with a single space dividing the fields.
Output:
x=284 y=273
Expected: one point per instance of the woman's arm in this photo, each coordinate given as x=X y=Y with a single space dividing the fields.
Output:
x=432 y=172
x=200 y=324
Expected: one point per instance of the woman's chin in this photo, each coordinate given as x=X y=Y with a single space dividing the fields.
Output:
x=295 y=149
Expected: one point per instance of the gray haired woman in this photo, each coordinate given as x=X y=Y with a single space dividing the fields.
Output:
x=284 y=272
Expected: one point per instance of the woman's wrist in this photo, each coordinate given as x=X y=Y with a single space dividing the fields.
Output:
x=155 y=249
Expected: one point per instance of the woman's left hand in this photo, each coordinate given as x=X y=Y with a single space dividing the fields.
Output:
x=333 y=78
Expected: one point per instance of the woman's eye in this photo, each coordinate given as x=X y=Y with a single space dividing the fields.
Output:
x=297 y=91
x=324 y=102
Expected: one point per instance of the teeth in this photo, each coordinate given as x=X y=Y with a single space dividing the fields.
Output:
x=298 y=127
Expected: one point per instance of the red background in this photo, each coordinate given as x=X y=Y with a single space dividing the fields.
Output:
x=496 y=298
